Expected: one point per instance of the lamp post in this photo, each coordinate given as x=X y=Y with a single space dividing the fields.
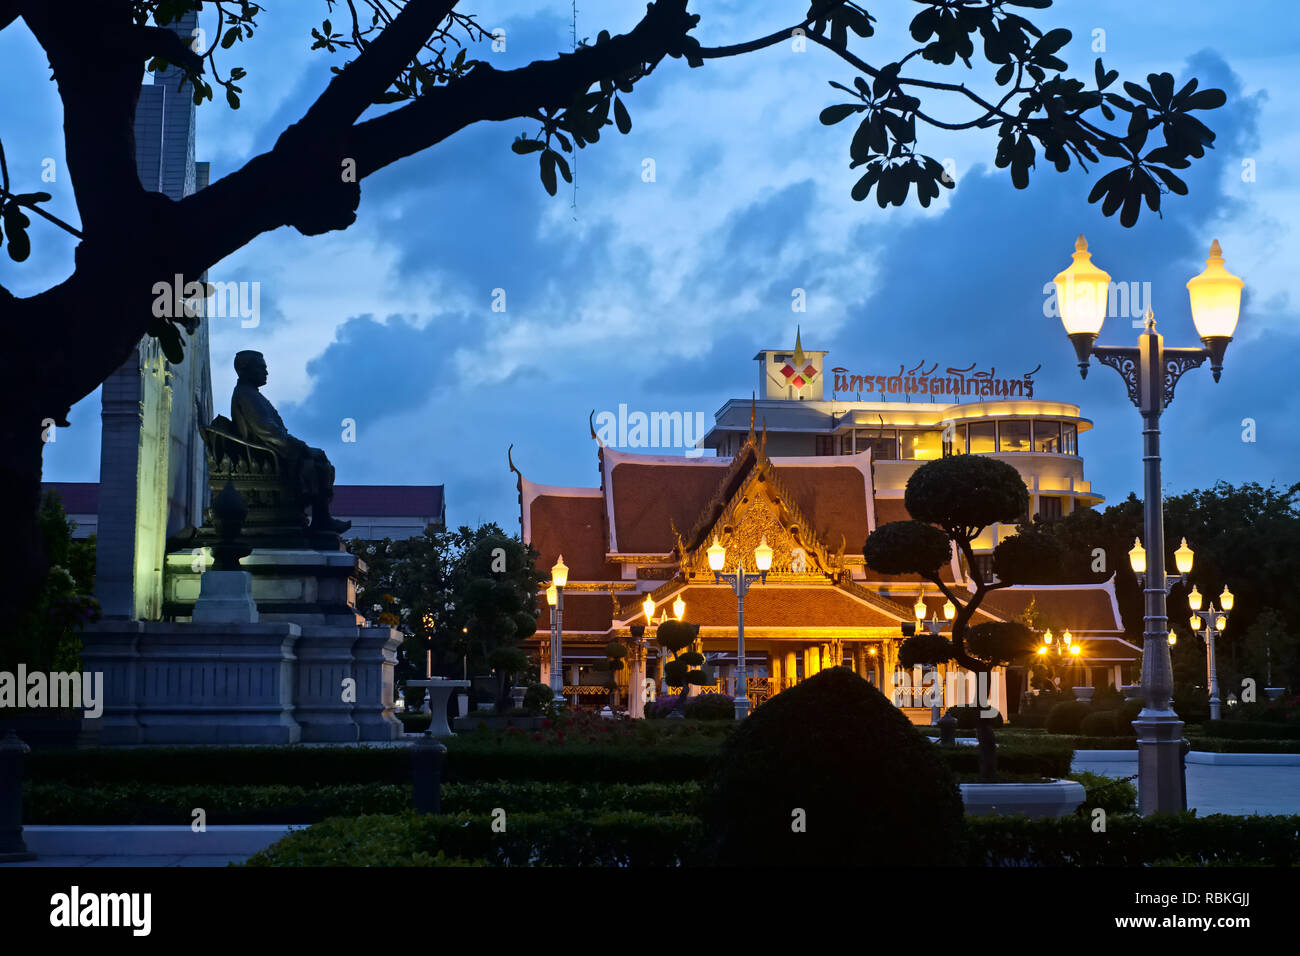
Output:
x=1208 y=624
x=740 y=580
x=559 y=578
x=934 y=625
x=1151 y=371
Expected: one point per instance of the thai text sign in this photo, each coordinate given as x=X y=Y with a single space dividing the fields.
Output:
x=951 y=382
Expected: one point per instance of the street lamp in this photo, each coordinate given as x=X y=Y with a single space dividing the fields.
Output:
x=740 y=581
x=679 y=608
x=934 y=625
x=1150 y=372
x=559 y=578
x=1207 y=624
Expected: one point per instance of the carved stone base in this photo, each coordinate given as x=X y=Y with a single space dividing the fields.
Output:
x=301 y=587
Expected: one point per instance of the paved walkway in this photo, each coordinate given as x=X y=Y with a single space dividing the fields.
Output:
x=1216 y=788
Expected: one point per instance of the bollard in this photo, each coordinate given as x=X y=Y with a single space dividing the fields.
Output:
x=427 y=756
x=1183 y=751
x=12 y=847
x=948 y=730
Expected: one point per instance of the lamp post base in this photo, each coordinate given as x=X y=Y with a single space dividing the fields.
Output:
x=742 y=707
x=1162 y=783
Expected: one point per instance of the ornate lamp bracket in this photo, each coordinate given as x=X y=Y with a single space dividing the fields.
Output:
x=1178 y=361
x=1123 y=359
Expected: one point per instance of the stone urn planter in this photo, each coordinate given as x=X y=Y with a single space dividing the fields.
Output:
x=1083 y=693
x=1051 y=798
x=1274 y=693
x=1131 y=691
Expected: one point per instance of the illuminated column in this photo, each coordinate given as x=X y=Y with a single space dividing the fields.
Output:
x=887 y=669
x=774 y=668
x=573 y=679
x=860 y=660
x=791 y=670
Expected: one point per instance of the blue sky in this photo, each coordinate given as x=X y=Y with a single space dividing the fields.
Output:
x=657 y=295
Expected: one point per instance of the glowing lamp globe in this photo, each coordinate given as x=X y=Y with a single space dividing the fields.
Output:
x=1194 y=599
x=1075 y=650
x=1082 y=294
x=1216 y=306
x=560 y=572
x=1047 y=636
x=1226 y=599
x=552 y=597
x=1067 y=638
x=1220 y=623
x=763 y=555
x=717 y=554
x=1137 y=557
x=648 y=605
x=949 y=610
x=1042 y=652
x=679 y=608
x=1195 y=623
x=919 y=609
x=1183 y=558
x=1173 y=638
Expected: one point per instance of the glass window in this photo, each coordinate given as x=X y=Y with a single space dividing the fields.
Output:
x=954 y=440
x=1047 y=437
x=923 y=446
x=883 y=443
x=1013 y=436
x=1069 y=440
x=983 y=438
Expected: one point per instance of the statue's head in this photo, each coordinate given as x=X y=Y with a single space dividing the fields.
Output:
x=250 y=366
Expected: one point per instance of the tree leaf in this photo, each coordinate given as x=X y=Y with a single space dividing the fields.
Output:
x=621 y=119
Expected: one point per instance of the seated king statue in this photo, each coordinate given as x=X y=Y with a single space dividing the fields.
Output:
x=257 y=422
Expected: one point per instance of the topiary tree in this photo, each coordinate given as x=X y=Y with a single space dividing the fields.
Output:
x=676 y=636
x=829 y=772
x=952 y=501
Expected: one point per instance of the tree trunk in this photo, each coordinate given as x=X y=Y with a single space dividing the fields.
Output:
x=988 y=750
x=23 y=559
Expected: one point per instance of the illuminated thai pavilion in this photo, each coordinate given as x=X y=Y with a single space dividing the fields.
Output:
x=813 y=477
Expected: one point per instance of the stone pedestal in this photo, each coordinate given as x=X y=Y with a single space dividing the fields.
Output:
x=324 y=663
x=194 y=683
x=298 y=586
x=265 y=683
x=225 y=597
x=1161 y=777
x=375 y=656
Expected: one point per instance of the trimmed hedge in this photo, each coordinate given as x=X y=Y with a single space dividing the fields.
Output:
x=573 y=838
x=61 y=804
x=1046 y=758
x=1100 y=723
x=1112 y=794
x=967 y=716
x=1252 y=729
x=471 y=757
x=1219 y=745
x=557 y=838
x=1168 y=839
x=1067 y=716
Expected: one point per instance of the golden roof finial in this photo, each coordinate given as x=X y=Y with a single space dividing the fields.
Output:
x=753 y=411
x=799 y=358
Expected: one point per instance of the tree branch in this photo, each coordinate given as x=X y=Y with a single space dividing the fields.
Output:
x=352 y=91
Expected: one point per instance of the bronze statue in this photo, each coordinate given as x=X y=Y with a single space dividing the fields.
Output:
x=257 y=422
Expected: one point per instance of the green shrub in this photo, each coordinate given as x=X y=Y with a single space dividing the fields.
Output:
x=710 y=707
x=1099 y=723
x=539 y=700
x=967 y=716
x=834 y=753
x=1125 y=714
x=1112 y=794
x=1066 y=717
x=1131 y=840
x=1224 y=745
x=557 y=838
x=1106 y=698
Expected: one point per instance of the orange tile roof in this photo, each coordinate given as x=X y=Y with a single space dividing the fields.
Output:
x=767 y=605
x=574 y=527
x=1083 y=609
x=833 y=499
x=648 y=498
x=583 y=611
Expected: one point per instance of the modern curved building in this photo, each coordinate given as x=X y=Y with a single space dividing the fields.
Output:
x=814 y=476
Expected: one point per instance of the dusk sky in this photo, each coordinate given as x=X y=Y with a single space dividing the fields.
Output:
x=658 y=294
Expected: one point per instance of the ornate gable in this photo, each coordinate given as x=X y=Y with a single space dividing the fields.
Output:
x=752 y=503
